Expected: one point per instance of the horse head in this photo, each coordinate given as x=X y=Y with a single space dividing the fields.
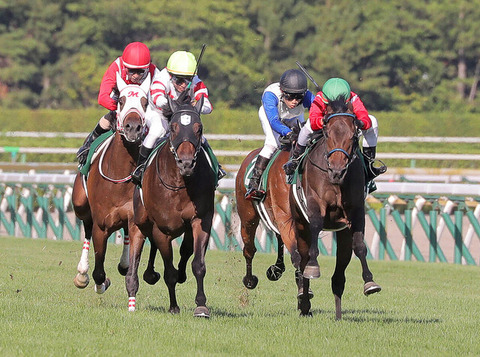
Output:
x=341 y=138
x=131 y=108
x=186 y=130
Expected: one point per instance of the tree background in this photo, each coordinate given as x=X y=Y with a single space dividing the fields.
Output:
x=423 y=56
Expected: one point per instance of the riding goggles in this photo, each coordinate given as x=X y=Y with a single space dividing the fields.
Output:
x=140 y=71
x=178 y=80
x=292 y=96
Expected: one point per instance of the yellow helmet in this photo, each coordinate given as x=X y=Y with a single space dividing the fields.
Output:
x=182 y=63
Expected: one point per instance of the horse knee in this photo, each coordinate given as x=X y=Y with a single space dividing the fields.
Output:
x=198 y=268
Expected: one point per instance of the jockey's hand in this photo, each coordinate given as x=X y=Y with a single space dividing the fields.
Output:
x=360 y=124
x=167 y=111
x=288 y=138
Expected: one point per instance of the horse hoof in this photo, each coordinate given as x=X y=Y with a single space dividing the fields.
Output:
x=300 y=293
x=202 y=311
x=250 y=283
x=151 y=277
x=122 y=270
x=371 y=288
x=306 y=314
x=274 y=272
x=174 y=310
x=100 y=289
x=81 y=280
x=311 y=272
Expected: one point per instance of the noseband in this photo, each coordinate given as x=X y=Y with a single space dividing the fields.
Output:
x=350 y=156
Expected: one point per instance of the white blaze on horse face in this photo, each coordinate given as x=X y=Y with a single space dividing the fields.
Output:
x=185 y=119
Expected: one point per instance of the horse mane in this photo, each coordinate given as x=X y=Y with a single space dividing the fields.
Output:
x=339 y=104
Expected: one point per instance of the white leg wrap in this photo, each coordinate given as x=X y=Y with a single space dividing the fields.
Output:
x=131 y=303
x=82 y=266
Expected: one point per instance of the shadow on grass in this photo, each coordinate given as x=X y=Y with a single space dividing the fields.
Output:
x=373 y=315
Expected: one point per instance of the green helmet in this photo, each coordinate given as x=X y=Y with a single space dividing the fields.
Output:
x=182 y=63
x=334 y=88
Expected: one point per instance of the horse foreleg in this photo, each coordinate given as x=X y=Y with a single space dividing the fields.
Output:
x=274 y=272
x=100 y=247
x=199 y=269
x=312 y=269
x=170 y=275
x=186 y=251
x=81 y=280
x=360 y=250
x=344 y=255
x=131 y=279
x=150 y=275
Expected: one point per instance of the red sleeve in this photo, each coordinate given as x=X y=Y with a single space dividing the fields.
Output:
x=109 y=82
x=360 y=111
x=317 y=112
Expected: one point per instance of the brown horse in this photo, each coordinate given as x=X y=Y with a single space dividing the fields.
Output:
x=177 y=197
x=103 y=199
x=332 y=184
x=277 y=208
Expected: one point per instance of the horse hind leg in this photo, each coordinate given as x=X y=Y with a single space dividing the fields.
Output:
x=82 y=280
x=123 y=264
x=344 y=255
x=150 y=275
x=275 y=271
x=360 y=250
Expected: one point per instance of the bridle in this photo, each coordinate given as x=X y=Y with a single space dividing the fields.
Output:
x=350 y=156
x=186 y=119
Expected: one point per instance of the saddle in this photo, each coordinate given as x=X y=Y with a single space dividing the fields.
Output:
x=97 y=145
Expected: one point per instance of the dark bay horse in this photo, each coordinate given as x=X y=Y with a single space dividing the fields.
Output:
x=277 y=207
x=177 y=197
x=332 y=184
x=103 y=200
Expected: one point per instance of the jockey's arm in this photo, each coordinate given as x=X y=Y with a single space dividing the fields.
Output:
x=360 y=111
x=109 y=82
x=270 y=105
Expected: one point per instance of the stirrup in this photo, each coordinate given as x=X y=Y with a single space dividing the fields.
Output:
x=255 y=194
x=137 y=175
x=221 y=173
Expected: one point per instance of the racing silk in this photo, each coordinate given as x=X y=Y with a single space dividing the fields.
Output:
x=108 y=94
x=162 y=86
x=281 y=117
x=319 y=109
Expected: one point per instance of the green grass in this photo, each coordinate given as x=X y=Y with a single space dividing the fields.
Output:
x=424 y=309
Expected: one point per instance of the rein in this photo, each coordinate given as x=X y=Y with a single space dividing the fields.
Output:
x=125 y=179
x=164 y=184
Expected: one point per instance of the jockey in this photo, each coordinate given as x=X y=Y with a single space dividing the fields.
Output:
x=176 y=78
x=332 y=89
x=283 y=107
x=133 y=66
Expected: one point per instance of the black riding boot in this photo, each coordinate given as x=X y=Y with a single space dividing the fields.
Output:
x=221 y=172
x=253 y=191
x=82 y=153
x=369 y=159
x=142 y=159
x=291 y=165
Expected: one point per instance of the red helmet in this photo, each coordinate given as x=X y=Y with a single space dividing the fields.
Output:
x=136 y=55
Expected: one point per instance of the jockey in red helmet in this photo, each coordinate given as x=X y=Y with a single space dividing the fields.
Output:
x=133 y=66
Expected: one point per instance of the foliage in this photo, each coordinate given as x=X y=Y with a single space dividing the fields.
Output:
x=420 y=310
x=419 y=55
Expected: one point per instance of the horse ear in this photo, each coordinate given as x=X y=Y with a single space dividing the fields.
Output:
x=120 y=82
x=199 y=105
x=350 y=106
x=145 y=86
x=172 y=104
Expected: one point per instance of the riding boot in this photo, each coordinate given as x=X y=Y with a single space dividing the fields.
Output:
x=82 y=153
x=291 y=165
x=221 y=172
x=253 y=191
x=142 y=159
x=369 y=159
